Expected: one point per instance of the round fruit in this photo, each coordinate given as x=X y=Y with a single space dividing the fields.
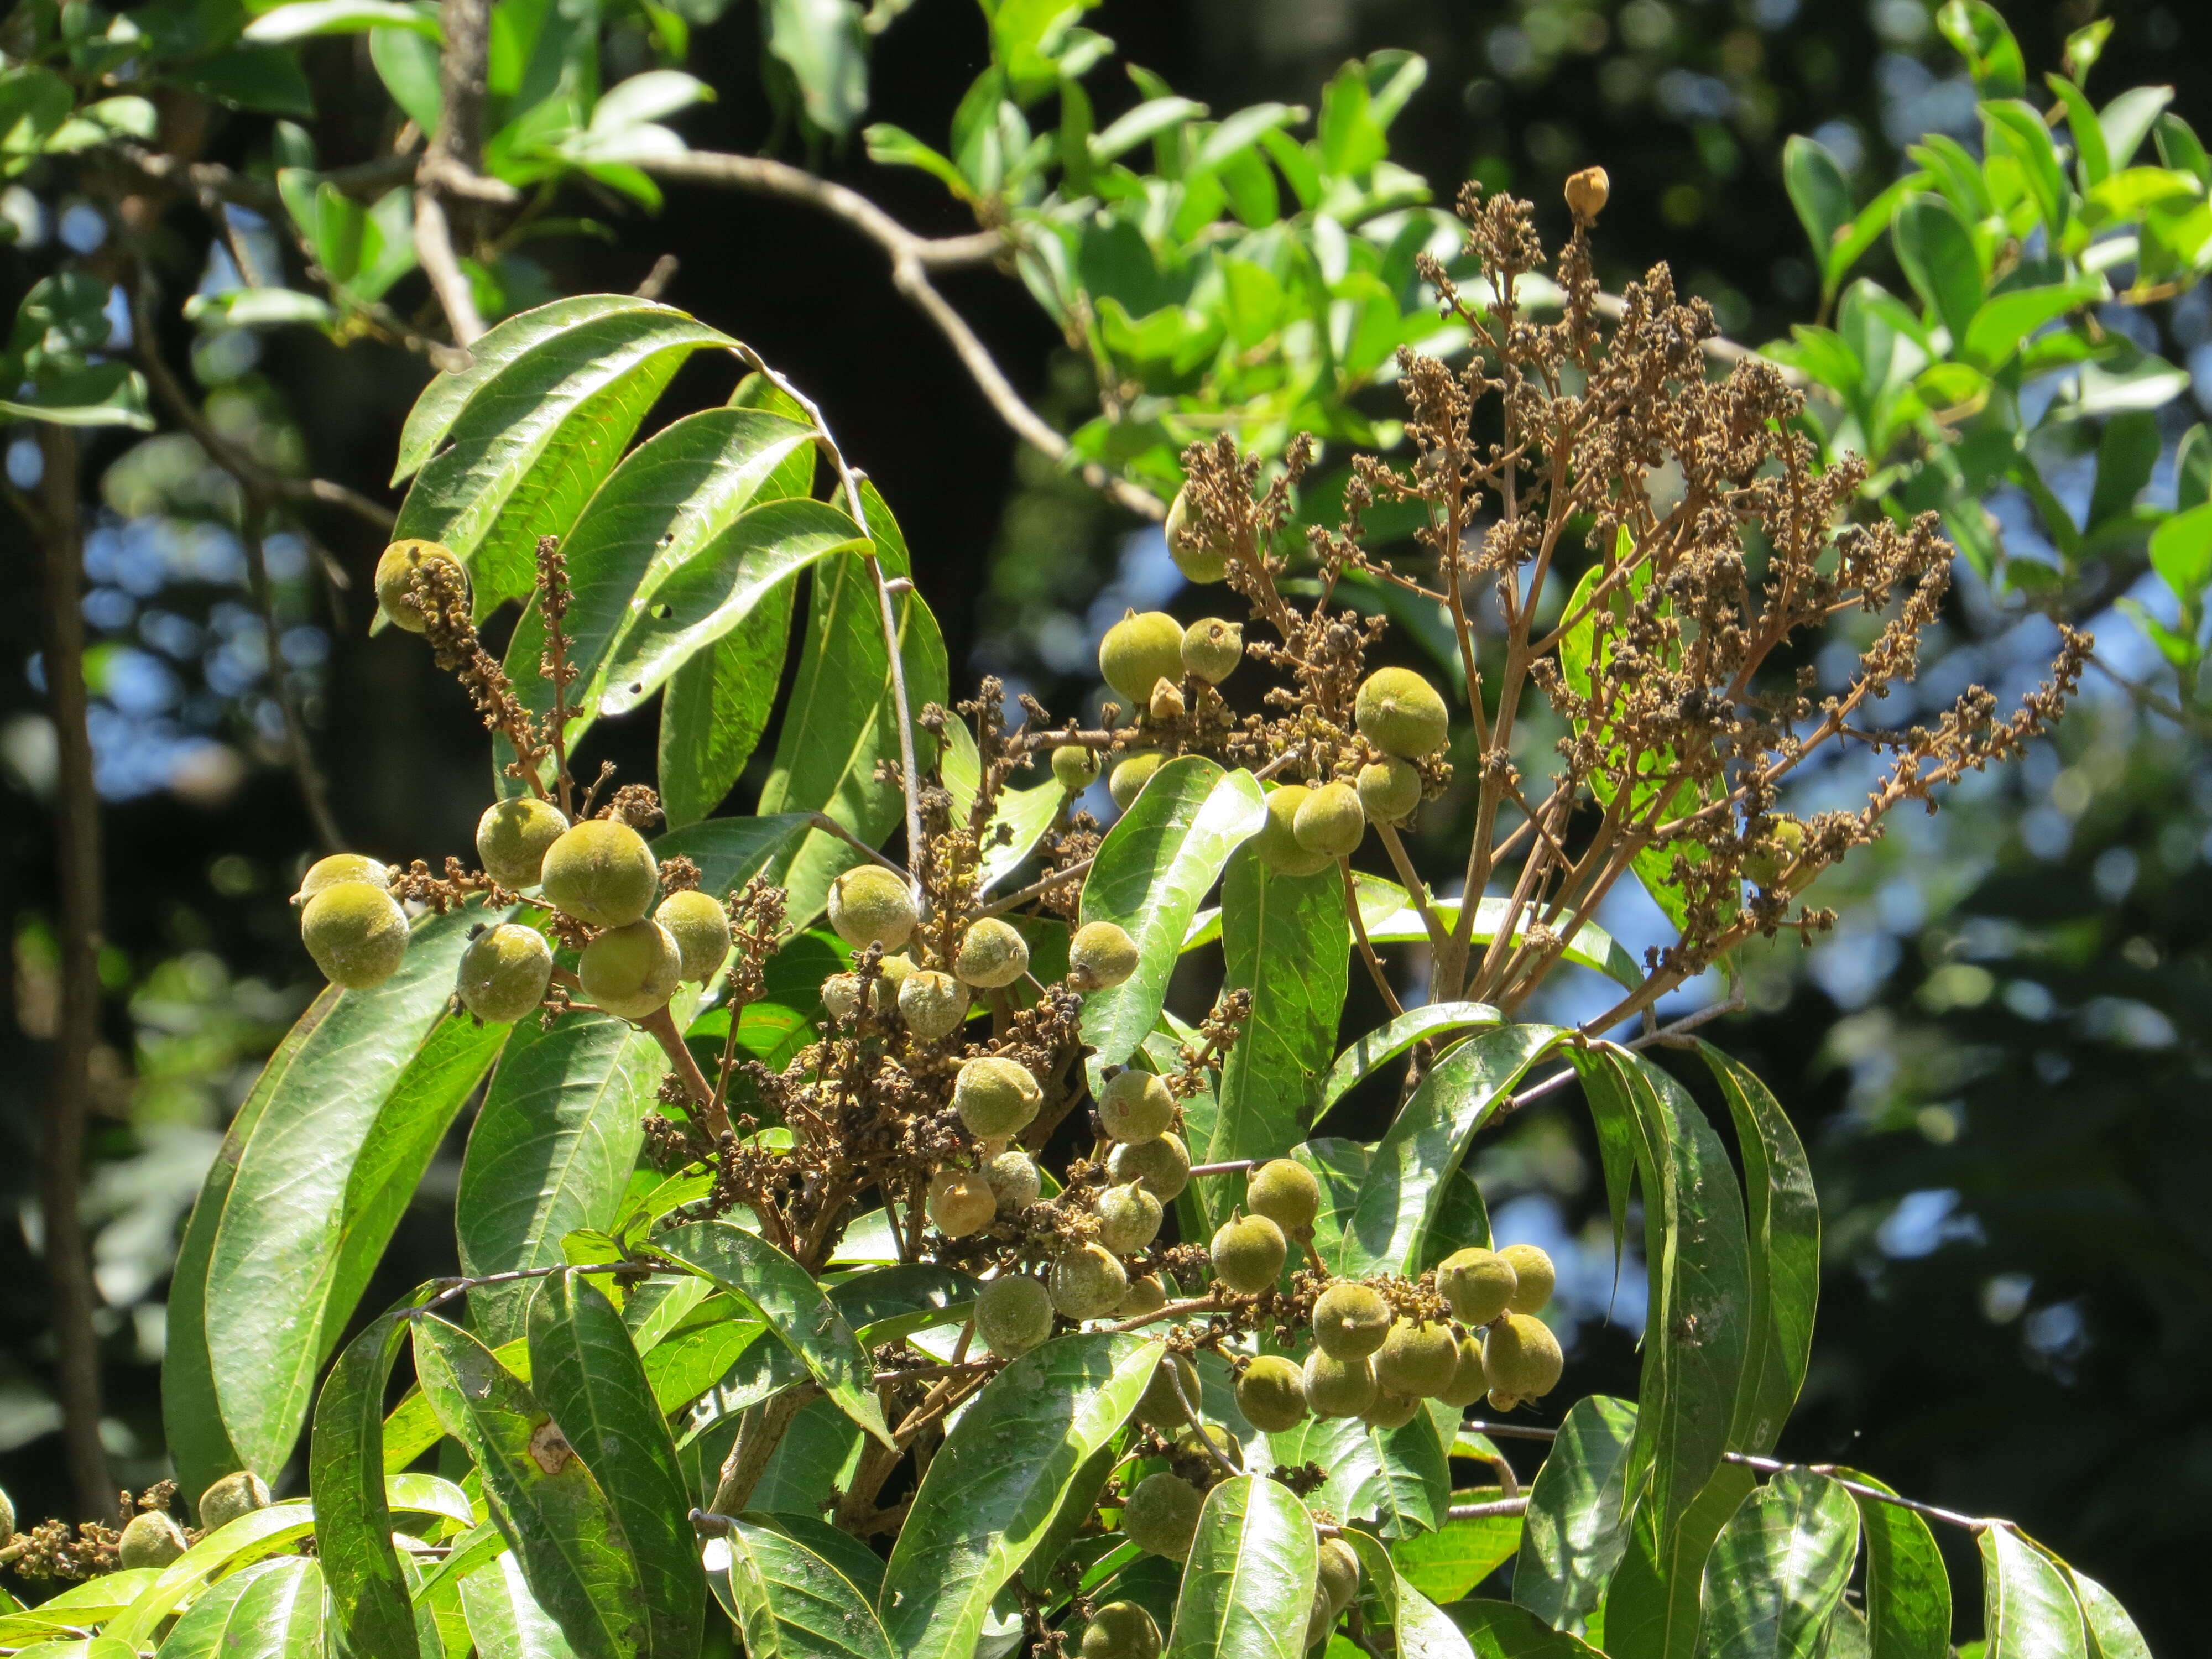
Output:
x=1271 y=1392
x=601 y=872
x=1135 y=1107
x=1350 y=1321
x=504 y=973
x=1145 y=1296
x=895 y=968
x=1338 y=1387
x=1074 y=767
x=1130 y=778
x=631 y=971
x=871 y=905
x=1161 y=1516
x=395 y=581
x=1338 y=1577
x=513 y=836
x=341 y=867
x=1320 y=1619
x=1330 y=820
x=1013 y=1316
x=1284 y=1191
x=992 y=953
x=961 y=1202
x=1783 y=846
x=1248 y=1254
x=1211 y=648
x=1139 y=651
x=1400 y=713
x=1198 y=558
x=152 y=1539
x=1158 y=1406
x=1390 y=1411
x=1087 y=1282
x=1389 y=789
x=1277 y=843
x=1478 y=1283
x=356 y=933
x=1225 y=1445
x=1521 y=1357
x=1014 y=1181
x=995 y=1097
x=933 y=1004
x=1468 y=1385
x=1128 y=1218
x=1100 y=956
x=1163 y=1164
x=841 y=997
x=1121 y=1630
x=1416 y=1357
x=701 y=929
x=1534 y=1278
x=231 y=1497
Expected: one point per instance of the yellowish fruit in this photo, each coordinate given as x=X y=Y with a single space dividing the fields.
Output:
x=1468 y=1385
x=1271 y=1392
x=341 y=867
x=1338 y=1577
x=1284 y=1191
x=504 y=973
x=513 y=836
x=233 y=1495
x=960 y=1202
x=152 y=1539
x=701 y=929
x=1138 y=651
x=1014 y=1180
x=1783 y=845
x=601 y=872
x=1135 y=1107
x=631 y=971
x=1534 y=1278
x=1277 y=843
x=1211 y=648
x=1012 y=1316
x=1120 y=1630
x=395 y=579
x=1145 y=1296
x=933 y=1004
x=991 y=954
x=356 y=933
x=1087 y=1282
x=1100 y=956
x=995 y=1097
x=871 y=905
x=1330 y=821
x=1248 y=1254
x=1521 y=1357
x=1400 y=713
x=1161 y=1163
x=1391 y=1410
x=1157 y=1405
x=1161 y=1516
x=1194 y=554
x=1128 y=1218
x=1130 y=778
x=1389 y=789
x=841 y=997
x=1351 y=1320
x=1418 y=1357
x=1074 y=767
x=1338 y=1387
x=1478 y=1283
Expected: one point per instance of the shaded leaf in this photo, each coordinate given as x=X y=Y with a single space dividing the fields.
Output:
x=1778 y=1569
x=1576 y=1526
x=1908 y=1591
x=788 y=1602
x=353 y=1522
x=1249 y=1583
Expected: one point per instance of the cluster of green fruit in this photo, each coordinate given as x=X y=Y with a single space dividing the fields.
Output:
x=152 y=1538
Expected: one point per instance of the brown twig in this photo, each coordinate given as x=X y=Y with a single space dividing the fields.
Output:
x=449 y=162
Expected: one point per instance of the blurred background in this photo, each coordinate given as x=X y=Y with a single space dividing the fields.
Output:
x=2002 y=1058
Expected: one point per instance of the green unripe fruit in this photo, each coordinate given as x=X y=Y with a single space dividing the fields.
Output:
x=1100 y=956
x=1074 y=767
x=152 y=1539
x=601 y=872
x=631 y=971
x=1013 y=1316
x=1135 y=1107
x=1330 y=820
x=1014 y=1181
x=1199 y=559
x=841 y=997
x=1157 y=1405
x=1337 y=1575
x=1130 y=778
x=961 y=1202
x=504 y=973
x=1390 y=1411
x=1087 y=1282
x=1271 y=1392
x=1145 y=1296
x=1161 y=1516
x=1478 y=1283
x=701 y=929
x=1350 y=1321
x=1128 y=1218
x=513 y=836
x=395 y=581
x=991 y=954
x=1418 y=1357
x=1468 y=1385
x=933 y=1004
x=1389 y=790
x=1284 y=1191
x=1320 y=1619
x=1121 y=1630
x=1248 y=1254
x=230 y=1497
x=1521 y=1357
x=894 y=969
x=1161 y=1163
x=1783 y=846
x=341 y=867
x=1138 y=651
x=1211 y=648
x=1400 y=713
x=1534 y=1278
x=356 y=933
x=1277 y=843
x=995 y=1097
x=1193 y=1443
x=871 y=905
x=1338 y=1387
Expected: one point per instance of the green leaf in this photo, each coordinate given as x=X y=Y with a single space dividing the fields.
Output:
x=1654 y=1603
x=822 y=45
x=2112 y=1634
x=1938 y=256
x=2006 y=321
x=1779 y=1570
x=2127 y=452
x=1379 y=1047
x=270 y=1610
x=730 y=852
x=2016 y=129
x=353 y=1520
x=2181 y=553
x=1818 y=191
x=556 y=1517
x=1151 y=870
x=505 y=1619
x=305 y=18
x=994 y=1486
x=1448 y=1562
x=1908 y=1591
x=1405 y=1184
x=2092 y=160
x=551 y=1150
x=333 y=1159
x=1982 y=37
x=715 y=709
x=787 y=1601
x=1149 y=119
x=2029 y=1610
x=1576 y=1528
x=263 y=1532
x=895 y=147
x=783 y=1294
x=1249 y=1583
x=1499 y=1630
x=94 y=394
x=583 y=1367
x=1399 y=1479
x=1591 y=947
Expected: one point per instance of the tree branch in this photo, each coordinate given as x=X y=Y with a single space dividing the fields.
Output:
x=449 y=163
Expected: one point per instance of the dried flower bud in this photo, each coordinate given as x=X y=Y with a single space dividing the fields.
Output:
x=1586 y=193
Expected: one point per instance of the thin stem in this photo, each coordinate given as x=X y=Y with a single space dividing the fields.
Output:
x=1038 y=889
x=1366 y=949
x=1496 y=1507
x=660 y=1026
x=829 y=825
